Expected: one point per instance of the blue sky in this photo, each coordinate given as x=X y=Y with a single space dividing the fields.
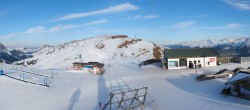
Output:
x=36 y=22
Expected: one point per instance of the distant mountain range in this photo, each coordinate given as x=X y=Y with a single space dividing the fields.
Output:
x=105 y=48
x=240 y=45
x=10 y=55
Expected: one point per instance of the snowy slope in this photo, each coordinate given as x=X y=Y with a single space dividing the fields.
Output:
x=78 y=90
x=101 y=49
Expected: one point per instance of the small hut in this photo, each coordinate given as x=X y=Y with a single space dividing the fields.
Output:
x=239 y=85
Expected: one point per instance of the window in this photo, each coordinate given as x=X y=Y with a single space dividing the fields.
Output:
x=173 y=63
x=199 y=61
x=183 y=62
x=208 y=63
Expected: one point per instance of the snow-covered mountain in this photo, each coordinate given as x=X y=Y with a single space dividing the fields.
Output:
x=5 y=56
x=102 y=48
x=10 y=55
x=24 y=50
x=240 y=45
x=2 y=47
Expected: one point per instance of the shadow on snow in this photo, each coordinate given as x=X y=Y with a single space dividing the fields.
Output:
x=74 y=99
x=210 y=89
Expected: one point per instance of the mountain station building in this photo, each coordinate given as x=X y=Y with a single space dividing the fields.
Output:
x=189 y=58
x=226 y=56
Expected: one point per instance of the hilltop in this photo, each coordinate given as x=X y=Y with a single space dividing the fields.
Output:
x=102 y=48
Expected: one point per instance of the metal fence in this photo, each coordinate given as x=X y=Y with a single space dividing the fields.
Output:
x=127 y=100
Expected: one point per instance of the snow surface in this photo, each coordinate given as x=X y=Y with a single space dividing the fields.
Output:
x=79 y=90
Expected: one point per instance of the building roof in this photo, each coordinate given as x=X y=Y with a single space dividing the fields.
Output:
x=240 y=76
x=190 y=52
x=225 y=53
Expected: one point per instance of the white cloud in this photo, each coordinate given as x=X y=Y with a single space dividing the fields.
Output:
x=228 y=26
x=33 y=30
x=185 y=24
x=111 y=9
x=95 y=22
x=9 y=35
x=233 y=26
x=61 y=28
x=239 y=4
x=42 y=29
x=193 y=16
x=150 y=16
x=68 y=27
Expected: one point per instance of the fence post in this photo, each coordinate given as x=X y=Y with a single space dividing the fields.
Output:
x=1 y=72
x=131 y=103
x=145 y=95
x=52 y=74
x=46 y=81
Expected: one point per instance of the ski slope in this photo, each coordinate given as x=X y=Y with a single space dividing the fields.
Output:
x=79 y=90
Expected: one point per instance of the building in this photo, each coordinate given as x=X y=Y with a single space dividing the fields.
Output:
x=189 y=58
x=226 y=56
x=244 y=59
x=239 y=85
x=77 y=66
x=93 y=67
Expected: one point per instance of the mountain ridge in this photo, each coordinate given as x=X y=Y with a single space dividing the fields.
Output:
x=103 y=48
x=240 y=45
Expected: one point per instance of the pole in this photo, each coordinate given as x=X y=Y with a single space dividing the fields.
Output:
x=139 y=64
x=52 y=74
x=46 y=81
